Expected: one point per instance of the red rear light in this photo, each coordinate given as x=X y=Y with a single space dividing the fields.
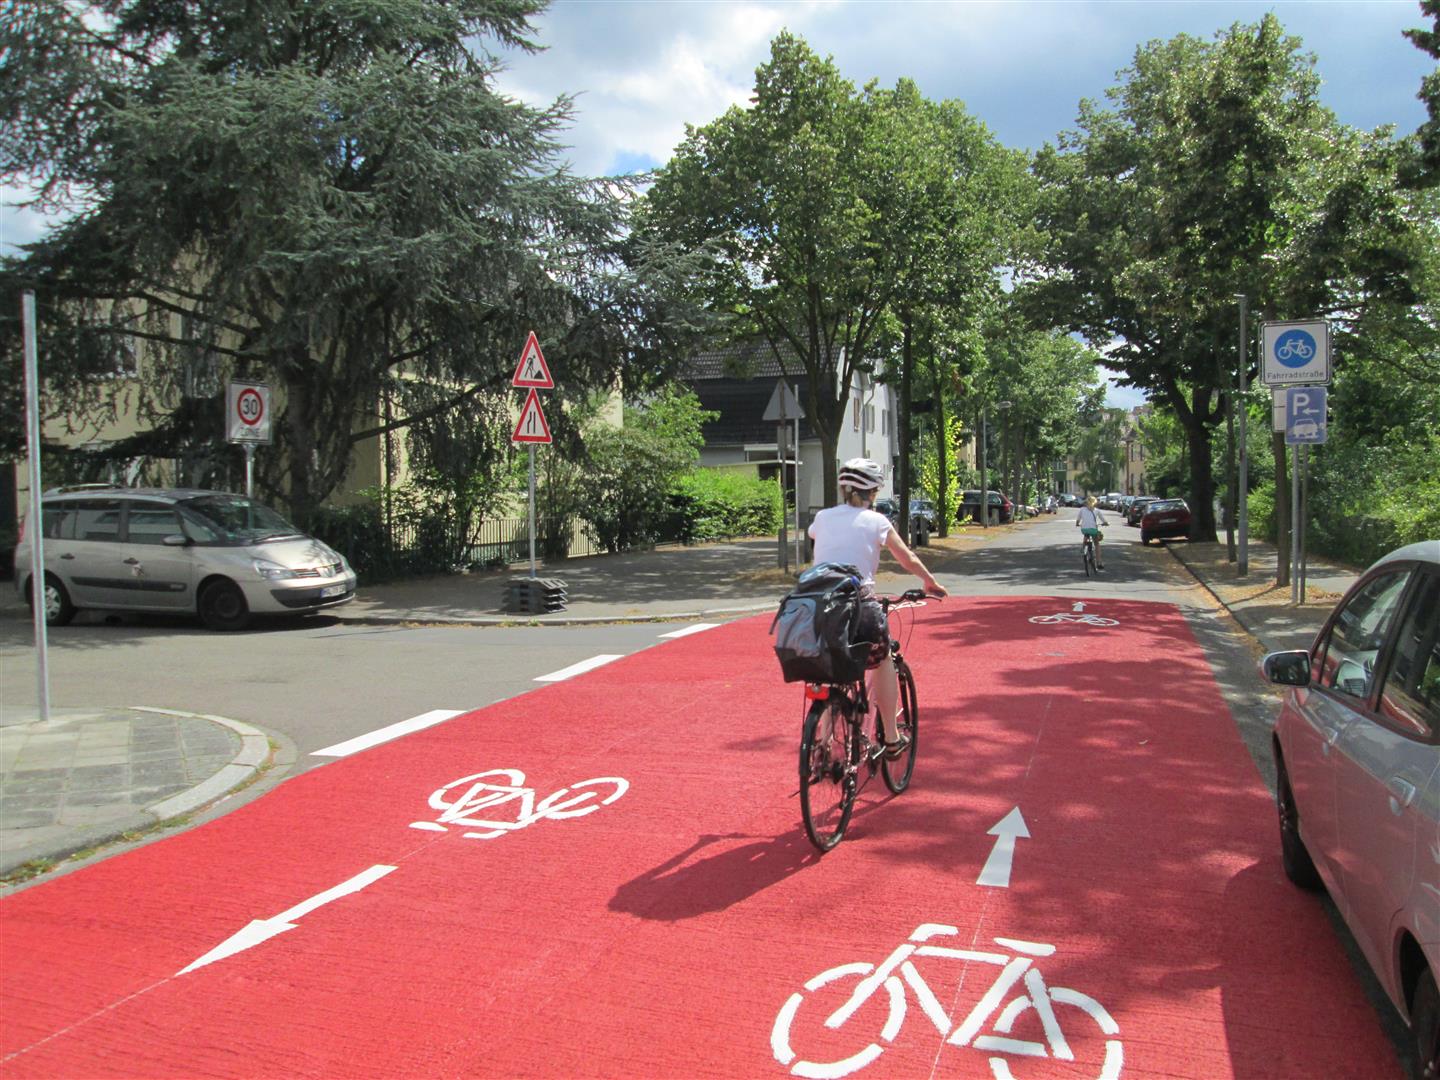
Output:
x=816 y=692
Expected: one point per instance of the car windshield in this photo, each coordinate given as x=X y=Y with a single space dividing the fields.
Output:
x=1164 y=504
x=232 y=520
x=921 y=504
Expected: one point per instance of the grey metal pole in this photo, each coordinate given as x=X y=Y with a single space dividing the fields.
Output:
x=532 y=510
x=1242 y=500
x=35 y=526
x=1295 y=526
x=249 y=470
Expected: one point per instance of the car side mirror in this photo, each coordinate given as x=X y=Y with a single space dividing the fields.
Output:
x=176 y=540
x=1290 y=668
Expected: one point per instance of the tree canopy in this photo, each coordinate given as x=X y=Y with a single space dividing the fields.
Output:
x=326 y=196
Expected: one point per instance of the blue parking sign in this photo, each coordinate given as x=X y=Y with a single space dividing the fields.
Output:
x=1304 y=415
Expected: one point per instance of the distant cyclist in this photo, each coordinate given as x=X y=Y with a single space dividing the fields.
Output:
x=1089 y=520
x=853 y=533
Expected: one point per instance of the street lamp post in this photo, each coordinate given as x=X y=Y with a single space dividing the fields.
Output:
x=1109 y=477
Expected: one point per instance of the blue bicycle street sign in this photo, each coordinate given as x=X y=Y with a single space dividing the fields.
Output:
x=1305 y=421
x=1295 y=353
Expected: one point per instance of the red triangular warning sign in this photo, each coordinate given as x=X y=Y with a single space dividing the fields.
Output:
x=531 y=427
x=532 y=369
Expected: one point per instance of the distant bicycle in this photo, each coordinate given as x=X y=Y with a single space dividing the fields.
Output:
x=834 y=745
x=1063 y=1015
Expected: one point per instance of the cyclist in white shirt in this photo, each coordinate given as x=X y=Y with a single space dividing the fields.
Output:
x=1089 y=520
x=853 y=533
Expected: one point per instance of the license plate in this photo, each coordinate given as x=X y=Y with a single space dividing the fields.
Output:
x=332 y=590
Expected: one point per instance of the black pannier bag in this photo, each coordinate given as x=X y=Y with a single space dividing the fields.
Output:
x=815 y=627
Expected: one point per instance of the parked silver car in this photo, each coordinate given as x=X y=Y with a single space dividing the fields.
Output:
x=1357 y=761
x=223 y=557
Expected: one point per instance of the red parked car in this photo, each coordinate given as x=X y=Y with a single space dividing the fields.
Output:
x=1164 y=517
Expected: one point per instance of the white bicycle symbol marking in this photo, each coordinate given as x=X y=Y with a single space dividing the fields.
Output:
x=1070 y=616
x=1013 y=970
x=458 y=801
x=1294 y=347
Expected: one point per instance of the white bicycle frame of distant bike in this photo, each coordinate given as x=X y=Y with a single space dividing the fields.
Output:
x=1015 y=970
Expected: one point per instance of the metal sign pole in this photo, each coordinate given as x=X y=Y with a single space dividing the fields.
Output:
x=1304 y=514
x=249 y=470
x=532 y=510
x=1295 y=527
x=36 y=523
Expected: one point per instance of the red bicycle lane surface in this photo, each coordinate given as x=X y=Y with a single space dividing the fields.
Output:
x=663 y=915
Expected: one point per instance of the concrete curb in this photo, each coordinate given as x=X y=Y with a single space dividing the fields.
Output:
x=429 y=619
x=245 y=766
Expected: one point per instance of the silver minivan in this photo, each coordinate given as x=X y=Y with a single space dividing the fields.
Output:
x=1357 y=762
x=223 y=557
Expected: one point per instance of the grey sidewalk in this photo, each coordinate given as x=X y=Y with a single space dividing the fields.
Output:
x=1257 y=603
x=85 y=777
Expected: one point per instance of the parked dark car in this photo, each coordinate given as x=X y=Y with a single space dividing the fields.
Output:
x=1136 y=509
x=889 y=507
x=1164 y=517
x=1357 y=777
x=923 y=508
x=1002 y=509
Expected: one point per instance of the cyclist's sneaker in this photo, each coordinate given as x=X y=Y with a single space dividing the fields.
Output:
x=894 y=749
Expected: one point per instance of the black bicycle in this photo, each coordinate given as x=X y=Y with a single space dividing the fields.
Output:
x=1087 y=553
x=834 y=745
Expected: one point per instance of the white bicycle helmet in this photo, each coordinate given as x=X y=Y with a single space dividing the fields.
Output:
x=862 y=474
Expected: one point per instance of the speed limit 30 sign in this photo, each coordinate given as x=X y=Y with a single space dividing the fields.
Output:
x=247 y=413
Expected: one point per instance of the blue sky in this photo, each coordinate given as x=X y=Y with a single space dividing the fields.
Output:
x=642 y=69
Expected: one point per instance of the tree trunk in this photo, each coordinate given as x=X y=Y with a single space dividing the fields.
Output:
x=1202 y=483
x=906 y=389
x=943 y=509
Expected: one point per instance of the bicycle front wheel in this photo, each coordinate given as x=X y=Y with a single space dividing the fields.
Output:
x=897 y=771
x=827 y=773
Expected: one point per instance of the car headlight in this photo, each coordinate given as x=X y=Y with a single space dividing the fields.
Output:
x=271 y=571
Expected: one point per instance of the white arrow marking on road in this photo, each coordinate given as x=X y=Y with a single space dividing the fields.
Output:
x=1079 y=606
x=997 y=867
x=264 y=929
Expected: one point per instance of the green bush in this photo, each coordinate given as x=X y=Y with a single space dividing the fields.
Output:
x=720 y=504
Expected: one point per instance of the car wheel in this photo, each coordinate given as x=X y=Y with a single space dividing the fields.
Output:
x=1299 y=867
x=58 y=608
x=222 y=607
x=1425 y=1026
x=1145 y=538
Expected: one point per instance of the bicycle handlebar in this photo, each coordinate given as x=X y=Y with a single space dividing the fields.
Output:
x=909 y=596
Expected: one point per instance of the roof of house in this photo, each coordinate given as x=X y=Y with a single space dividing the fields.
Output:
x=753 y=359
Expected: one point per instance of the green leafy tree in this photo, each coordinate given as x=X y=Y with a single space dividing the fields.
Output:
x=631 y=471
x=325 y=196
x=1216 y=171
x=1425 y=169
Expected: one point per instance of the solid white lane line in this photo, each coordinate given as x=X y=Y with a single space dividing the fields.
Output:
x=580 y=668
x=691 y=630
x=385 y=734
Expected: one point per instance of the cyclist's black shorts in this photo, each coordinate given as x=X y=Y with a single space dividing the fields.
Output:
x=871 y=625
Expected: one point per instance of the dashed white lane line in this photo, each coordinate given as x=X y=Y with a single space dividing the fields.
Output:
x=385 y=734
x=580 y=668
x=691 y=630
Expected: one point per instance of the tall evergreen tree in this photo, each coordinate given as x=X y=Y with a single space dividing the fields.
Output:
x=327 y=196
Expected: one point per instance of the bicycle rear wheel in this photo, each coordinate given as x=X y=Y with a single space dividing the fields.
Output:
x=1089 y=559
x=897 y=772
x=827 y=773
